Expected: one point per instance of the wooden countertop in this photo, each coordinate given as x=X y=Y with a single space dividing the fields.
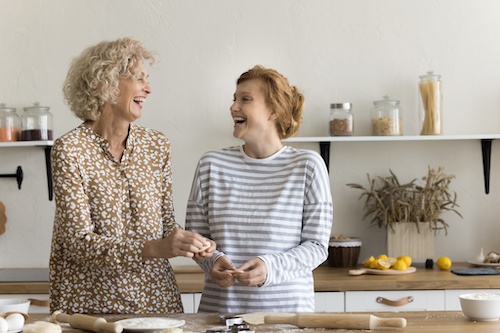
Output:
x=417 y=322
x=191 y=280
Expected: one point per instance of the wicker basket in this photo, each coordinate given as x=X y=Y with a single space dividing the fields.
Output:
x=344 y=252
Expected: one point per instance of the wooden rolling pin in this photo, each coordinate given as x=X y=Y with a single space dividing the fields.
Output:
x=334 y=320
x=86 y=322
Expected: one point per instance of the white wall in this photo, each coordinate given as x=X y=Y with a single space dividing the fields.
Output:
x=334 y=50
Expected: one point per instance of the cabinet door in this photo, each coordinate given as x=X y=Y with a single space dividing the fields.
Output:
x=401 y=300
x=452 y=300
x=188 y=302
x=329 y=301
x=33 y=308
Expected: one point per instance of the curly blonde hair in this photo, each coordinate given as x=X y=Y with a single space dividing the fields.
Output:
x=286 y=101
x=94 y=75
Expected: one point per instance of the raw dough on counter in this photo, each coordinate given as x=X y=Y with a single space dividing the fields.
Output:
x=172 y=330
x=42 y=327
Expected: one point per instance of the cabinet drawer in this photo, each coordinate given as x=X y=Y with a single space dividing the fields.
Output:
x=329 y=301
x=452 y=302
x=403 y=300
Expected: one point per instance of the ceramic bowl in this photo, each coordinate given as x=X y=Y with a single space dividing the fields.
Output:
x=481 y=307
x=11 y=304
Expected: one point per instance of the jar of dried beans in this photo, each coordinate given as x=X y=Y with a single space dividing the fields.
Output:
x=9 y=124
x=341 y=119
x=430 y=104
x=386 y=117
x=36 y=123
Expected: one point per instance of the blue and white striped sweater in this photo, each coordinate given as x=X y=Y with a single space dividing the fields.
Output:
x=278 y=209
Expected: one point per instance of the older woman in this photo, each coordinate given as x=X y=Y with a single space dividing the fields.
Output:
x=266 y=205
x=114 y=225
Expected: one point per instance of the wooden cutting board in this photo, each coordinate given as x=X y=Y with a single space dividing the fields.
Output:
x=390 y=271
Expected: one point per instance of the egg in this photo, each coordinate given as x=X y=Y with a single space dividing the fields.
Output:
x=4 y=326
x=15 y=321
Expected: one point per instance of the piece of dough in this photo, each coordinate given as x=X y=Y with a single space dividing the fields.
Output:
x=172 y=330
x=234 y=271
x=205 y=247
x=257 y=318
x=42 y=327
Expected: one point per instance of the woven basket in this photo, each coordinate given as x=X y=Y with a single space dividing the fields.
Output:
x=344 y=252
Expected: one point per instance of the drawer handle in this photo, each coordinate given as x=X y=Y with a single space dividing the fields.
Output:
x=39 y=302
x=401 y=302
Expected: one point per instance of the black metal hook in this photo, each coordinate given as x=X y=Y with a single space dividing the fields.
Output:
x=18 y=175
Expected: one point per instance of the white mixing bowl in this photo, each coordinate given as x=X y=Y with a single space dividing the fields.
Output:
x=11 y=304
x=481 y=307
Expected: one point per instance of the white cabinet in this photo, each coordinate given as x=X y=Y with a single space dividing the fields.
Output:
x=33 y=308
x=329 y=301
x=191 y=302
x=400 y=300
x=452 y=302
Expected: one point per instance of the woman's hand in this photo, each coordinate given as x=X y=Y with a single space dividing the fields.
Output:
x=219 y=273
x=255 y=272
x=180 y=242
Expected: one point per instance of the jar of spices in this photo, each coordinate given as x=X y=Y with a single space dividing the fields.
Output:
x=386 y=117
x=36 y=123
x=430 y=103
x=9 y=124
x=341 y=119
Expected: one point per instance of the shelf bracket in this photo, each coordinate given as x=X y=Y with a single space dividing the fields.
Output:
x=486 y=151
x=18 y=175
x=48 y=168
x=324 y=149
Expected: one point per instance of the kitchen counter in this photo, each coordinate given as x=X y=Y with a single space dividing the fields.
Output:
x=423 y=321
x=190 y=280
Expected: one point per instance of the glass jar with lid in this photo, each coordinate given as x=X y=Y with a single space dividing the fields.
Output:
x=386 y=117
x=36 y=123
x=430 y=104
x=341 y=119
x=9 y=124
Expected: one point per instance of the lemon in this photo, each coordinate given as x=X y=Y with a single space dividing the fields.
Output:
x=400 y=265
x=443 y=263
x=368 y=261
x=373 y=264
x=383 y=264
x=382 y=256
x=406 y=259
x=392 y=261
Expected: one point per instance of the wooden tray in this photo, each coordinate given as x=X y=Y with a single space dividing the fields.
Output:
x=390 y=271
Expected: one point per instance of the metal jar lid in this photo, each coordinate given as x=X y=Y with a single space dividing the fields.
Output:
x=346 y=106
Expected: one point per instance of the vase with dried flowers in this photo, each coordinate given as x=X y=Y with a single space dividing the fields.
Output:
x=401 y=208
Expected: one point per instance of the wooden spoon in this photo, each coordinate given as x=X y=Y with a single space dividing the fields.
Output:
x=4 y=315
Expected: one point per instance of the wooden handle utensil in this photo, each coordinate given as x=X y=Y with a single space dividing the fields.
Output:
x=86 y=322
x=334 y=320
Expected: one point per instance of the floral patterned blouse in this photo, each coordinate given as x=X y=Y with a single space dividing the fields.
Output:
x=105 y=212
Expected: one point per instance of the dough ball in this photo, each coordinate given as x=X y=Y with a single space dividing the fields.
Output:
x=4 y=327
x=42 y=327
x=15 y=321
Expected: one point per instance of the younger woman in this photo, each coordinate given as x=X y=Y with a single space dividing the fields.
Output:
x=267 y=206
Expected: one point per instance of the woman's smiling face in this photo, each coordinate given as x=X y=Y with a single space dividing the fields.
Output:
x=133 y=92
x=252 y=117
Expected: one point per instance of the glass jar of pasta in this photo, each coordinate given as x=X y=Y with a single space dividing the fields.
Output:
x=430 y=104
x=386 y=117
